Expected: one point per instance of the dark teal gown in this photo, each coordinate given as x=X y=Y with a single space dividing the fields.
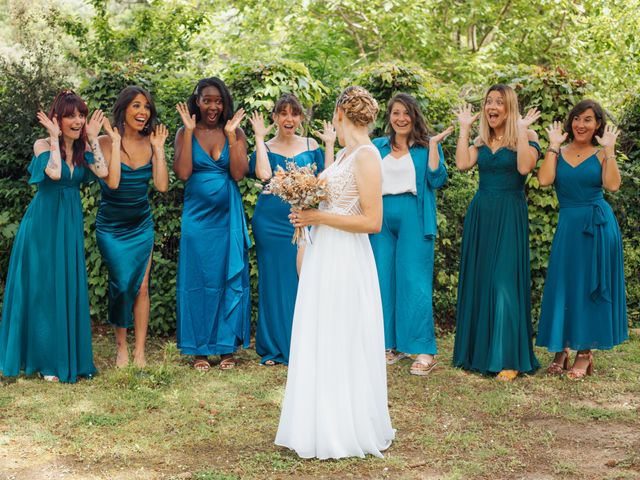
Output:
x=213 y=297
x=46 y=326
x=493 y=327
x=276 y=255
x=584 y=303
x=124 y=230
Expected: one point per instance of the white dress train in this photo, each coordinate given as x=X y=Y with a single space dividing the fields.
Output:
x=335 y=403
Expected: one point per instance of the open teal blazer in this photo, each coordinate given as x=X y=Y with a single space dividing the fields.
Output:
x=427 y=181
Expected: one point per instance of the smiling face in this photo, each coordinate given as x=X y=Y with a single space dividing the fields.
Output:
x=400 y=119
x=287 y=121
x=138 y=113
x=584 y=126
x=495 y=109
x=211 y=106
x=72 y=126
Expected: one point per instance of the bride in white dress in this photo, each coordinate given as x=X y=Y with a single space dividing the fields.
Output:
x=335 y=403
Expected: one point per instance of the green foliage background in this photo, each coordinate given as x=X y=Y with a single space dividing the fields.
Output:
x=554 y=52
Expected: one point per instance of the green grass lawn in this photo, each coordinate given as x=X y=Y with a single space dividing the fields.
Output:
x=170 y=422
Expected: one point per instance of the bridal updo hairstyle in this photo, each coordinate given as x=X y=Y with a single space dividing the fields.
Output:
x=358 y=105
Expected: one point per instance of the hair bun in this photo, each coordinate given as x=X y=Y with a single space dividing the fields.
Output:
x=358 y=105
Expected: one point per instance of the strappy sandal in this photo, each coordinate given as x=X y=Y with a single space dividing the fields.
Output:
x=507 y=375
x=422 y=367
x=579 y=374
x=394 y=357
x=556 y=368
x=201 y=364
x=227 y=363
x=268 y=363
x=49 y=378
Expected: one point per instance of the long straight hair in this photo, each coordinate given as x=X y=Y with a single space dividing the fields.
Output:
x=419 y=132
x=510 y=139
x=65 y=105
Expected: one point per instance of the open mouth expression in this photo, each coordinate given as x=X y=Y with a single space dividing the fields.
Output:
x=400 y=119
x=211 y=105
x=72 y=126
x=494 y=109
x=287 y=121
x=138 y=113
x=584 y=126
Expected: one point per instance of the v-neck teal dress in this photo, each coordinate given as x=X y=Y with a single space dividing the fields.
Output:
x=124 y=231
x=213 y=297
x=493 y=329
x=584 y=303
x=276 y=255
x=46 y=326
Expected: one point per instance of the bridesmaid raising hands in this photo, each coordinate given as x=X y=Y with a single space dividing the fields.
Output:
x=124 y=225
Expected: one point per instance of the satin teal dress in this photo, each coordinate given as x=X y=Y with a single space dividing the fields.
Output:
x=493 y=321
x=584 y=303
x=46 y=326
x=213 y=297
x=124 y=230
x=276 y=255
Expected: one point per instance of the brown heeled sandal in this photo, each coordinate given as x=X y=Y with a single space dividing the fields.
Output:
x=578 y=374
x=558 y=368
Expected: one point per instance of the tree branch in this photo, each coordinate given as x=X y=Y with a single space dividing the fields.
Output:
x=501 y=16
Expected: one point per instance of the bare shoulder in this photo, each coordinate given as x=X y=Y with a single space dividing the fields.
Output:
x=532 y=136
x=367 y=158
x=105 y=141
x=41 y=145
x=313 y=145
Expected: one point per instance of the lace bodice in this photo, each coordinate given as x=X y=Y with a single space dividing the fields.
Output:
x=344 y=198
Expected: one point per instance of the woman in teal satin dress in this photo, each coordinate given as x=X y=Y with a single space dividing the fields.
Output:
x=272 y=230
x=46 y=328
x=584 y=303
x=412 y=169
x=493 y=328
x=213 y=297
x=124 y=226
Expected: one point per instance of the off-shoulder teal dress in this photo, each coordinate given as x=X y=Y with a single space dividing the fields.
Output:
x=124 y=230
x=584 y=303
x=213 y=297
x=46 y=326
x=276 y=255
x=493 y=328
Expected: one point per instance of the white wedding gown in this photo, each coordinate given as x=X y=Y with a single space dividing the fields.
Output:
x=335 y=403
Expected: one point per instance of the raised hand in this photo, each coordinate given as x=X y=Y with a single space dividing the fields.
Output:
x=113 y=133
x=465 y=116
x=532 y=115
x=257 y=122
x=442 y=135
x=159 y=136
x=609 y=137
x=328 y=134
x=234 y=122
x=94 y=125
x=555 y=134
x=51 y=125
x=188 y=120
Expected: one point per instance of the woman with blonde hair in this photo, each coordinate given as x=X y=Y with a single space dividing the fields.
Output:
x=493 y=328
x=335 y=402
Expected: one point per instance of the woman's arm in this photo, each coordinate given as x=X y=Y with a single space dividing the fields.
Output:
x=328 y=137
x=238 y=162
x=369 y=180
x=527 y=156
x=547 y=171
x=93 y=127
x=182 y=158
x=54 y=165
x=263 y=167
x=110 y=145
x=159 y=163
x=466 y=156
x=611 y=179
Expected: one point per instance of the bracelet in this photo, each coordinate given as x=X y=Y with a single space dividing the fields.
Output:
x=553 y=150
x=607 y=158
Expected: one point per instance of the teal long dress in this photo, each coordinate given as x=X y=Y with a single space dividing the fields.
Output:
x=124 y=230
x=46 y=326
x=493 y=328
x=276 y=255
x=584 y=304
x=213 y=297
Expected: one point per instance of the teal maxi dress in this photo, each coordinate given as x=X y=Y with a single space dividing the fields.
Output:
x=46 y=326
x=584 y=303
x=404 y=254
x=213 y=297
x=124 y=230
x=493 y=327
x=276 y=255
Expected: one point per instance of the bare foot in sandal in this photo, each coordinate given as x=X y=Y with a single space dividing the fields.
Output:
x=227 y=362
x=201 y=364
x=423 y=365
